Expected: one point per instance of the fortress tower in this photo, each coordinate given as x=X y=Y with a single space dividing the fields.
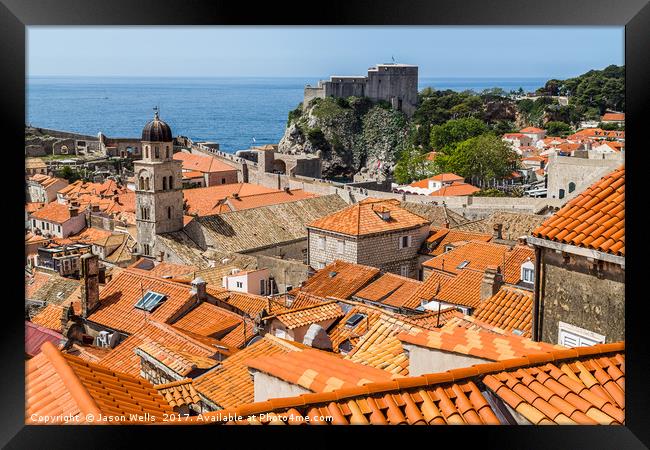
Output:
x=158 y=193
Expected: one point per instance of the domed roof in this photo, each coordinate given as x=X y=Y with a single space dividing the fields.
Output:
x=156 y=130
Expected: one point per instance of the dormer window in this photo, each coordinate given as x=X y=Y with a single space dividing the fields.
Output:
x=528 y=272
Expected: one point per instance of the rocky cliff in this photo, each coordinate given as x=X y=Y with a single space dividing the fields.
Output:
x=352 y=136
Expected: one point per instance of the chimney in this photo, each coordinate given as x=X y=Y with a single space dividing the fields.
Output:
x=160 y=256
x=198 y=289
x=492 y=281
x=89 y=275
x=95 y=208
x=74 y=211
x=235 y=195
x=287 y=190
x=498 y=231
x=446 y=224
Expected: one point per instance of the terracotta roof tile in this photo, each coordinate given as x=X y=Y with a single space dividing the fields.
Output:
x=179 y=393
x=49 y=317
x=230 y=385
x=441 y=237
x=176 y=358
x=428 y=290
x=295 y=318
x=595 y=219
x=53 y=212
x=59 y=384
x=240 y=335
x=455 y=189
x=479 y=255
x=537 y=388
x=514 y=259
x=317 y=371
x=209 y=320
x=342 y=331
x=446 y=177
x=613 y=116
x=464 y=289
x=200 y=163
x=363 y=219
x=117 y=300
x=509 y=309
x=479 y=343
x=339 y=279
x=123 y=356
x=251 y=304
x=389 y=289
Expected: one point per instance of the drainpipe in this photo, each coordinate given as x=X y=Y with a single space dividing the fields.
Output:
x=536 y=298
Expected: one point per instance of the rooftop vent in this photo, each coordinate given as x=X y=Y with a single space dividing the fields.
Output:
x=150 y=301
x=333 y=274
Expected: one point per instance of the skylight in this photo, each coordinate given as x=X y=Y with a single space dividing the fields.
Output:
x=354 y=320
x=462 y=265
x=150 y=301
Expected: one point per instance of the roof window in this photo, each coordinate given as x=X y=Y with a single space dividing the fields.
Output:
x=150 y=301
x=463 y=264
x=354 y=319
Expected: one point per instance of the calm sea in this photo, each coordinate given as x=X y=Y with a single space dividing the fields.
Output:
x=230 y=111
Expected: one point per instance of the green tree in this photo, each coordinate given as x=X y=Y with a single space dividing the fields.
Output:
x=443 y=137
x=70 y=174
x=479 y=159
x=413 y=165
x=560 y=129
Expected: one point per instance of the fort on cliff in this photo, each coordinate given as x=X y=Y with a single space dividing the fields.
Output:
x=394 y=83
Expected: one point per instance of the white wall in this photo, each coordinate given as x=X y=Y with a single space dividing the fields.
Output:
x=424 y=360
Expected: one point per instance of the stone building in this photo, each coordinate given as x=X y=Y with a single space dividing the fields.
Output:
x=159 y=195
x=43 y=188
x=377 y=233
x=394 y=83
x=569 y=175
x=580 y=253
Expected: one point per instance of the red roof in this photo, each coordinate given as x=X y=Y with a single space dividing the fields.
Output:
x=200 y=163
x=613 y=117
x=455 y=189
x=531 y=130
x=595 y=219
x=36 y=336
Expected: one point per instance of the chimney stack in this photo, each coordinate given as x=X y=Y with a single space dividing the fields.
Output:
x=199 y=289
x=74 y=211
x=498 y=231
x=89 y=283
x=492 y=281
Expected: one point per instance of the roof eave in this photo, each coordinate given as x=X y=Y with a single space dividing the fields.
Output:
x=575 y=250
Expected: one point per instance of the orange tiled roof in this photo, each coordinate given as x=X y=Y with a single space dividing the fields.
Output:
x=296 y=318
x=514 y=259
x=389 y=289
x=209 y=320
x=339 y=279
x=341 y=331
x=53 y=212
x=303 y=299
x=464 y=289
x=530 y=130
x=31 y=207
x=59 y=384
x=317 y=371
x=455 y=189
x=88 y=352
x=613 y=116
x=49 y=317
x=123 y=356
x=595 y=219
x=175 y=358
x=575 y=386
x=428 y=289
x=440 y=237
x=479 y=254
x=363 y=219
x=230 y=385
x=34 y=282
x=117 y=301
x=179 y=393
x=476 y=342
x=199 y=163
x=380 y=348
x=444 y=177
x=251 y=304
x=192 y=174
x=509 y=309
x=46 y=180
x=240 y=335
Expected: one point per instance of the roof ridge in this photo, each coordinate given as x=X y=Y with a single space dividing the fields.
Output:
x=449 y=376
x=76 y=388
x=173 y=383
x=318 y=305
x=180 y=333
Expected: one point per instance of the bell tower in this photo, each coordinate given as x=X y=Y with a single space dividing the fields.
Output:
x=158 y=186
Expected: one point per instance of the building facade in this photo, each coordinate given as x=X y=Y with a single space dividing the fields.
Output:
x=394 y=83
x=159 y=194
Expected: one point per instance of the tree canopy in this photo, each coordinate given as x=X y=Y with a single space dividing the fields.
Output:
x=445 y=136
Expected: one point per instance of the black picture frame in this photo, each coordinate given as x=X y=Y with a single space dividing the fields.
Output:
x=15 y=15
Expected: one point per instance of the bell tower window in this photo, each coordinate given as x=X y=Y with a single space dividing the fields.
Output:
x=167 y=151
x=169 y=212
x=171 y=182
x=157 y=152
x=164 y=183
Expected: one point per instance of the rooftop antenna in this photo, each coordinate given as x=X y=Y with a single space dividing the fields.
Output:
x=393 y=58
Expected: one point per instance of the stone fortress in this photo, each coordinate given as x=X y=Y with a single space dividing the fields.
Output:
x=394 y=83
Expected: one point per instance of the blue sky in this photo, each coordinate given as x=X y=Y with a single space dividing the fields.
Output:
x=550 y=52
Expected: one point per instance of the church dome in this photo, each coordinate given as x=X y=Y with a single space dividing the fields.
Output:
x=157 y=130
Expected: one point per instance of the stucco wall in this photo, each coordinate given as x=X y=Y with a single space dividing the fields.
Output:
x=424 y=360
x=573 y=292
x=267 y=386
